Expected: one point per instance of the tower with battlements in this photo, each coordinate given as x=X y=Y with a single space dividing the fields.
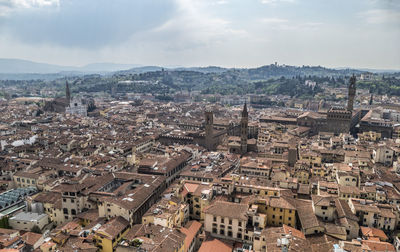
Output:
x=352 y=93
x=67 y=92
x=339 y=120
x=244 y=131
x=209 y=134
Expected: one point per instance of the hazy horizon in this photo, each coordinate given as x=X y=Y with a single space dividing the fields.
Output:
x=225 y=33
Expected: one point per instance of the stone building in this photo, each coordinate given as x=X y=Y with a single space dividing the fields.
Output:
x=212 y=137
x=59 y=104
x=244 y=130
x=342 y=120
x=77 y=107
x=242 y=144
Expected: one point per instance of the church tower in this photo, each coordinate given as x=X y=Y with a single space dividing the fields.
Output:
x=209 y=122
x=244 y=130
x=352 y=93
x=67 y=93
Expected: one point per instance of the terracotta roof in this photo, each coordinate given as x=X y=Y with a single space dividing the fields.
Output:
x=281 y=202
x=215 y=245
x=323 y=200
x=293 y=231
x=191 y=188
x=306 y=215
x=373 y=232
x=191 y=231
x=228 y=209
x=31 y=238
x=379 y=246
x=113 y=227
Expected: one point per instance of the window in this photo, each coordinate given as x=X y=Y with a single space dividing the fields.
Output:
x=73 y=211
x=280 y=217
x=72 y=200
x=222 y=220
x=273 y=216
x=214 y=230
x=230 y=222
x=222 y=232
x=64 y=200
x=240 y=224
x=65 y=210
x=290 y=218
x=239 y=236
x=215 y=218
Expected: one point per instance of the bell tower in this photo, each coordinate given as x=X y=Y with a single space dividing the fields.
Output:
x=209 y=122
x=352 y=93
x=244 y=131
x=67 y=92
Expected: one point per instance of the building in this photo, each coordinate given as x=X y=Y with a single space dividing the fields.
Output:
x=25 y=179
x=142 y=237
x=244 y=130
x=109 y=234
x=27 y=220
x=227 y=220
x=338 y=120
x=77 y=107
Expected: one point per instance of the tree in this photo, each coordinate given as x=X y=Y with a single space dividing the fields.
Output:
x=4 y=222
x=136 y=243
x=36 y=229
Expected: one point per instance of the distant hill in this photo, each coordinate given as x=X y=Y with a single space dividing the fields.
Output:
x=17 y=69
x=18 y=66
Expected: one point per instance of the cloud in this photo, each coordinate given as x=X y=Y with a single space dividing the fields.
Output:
x=7 y=7
x=200 y=32
x=35 y=3
x=286 y=24
x=274 y=2
x=274 y=20
x=381 y=16
x=193 y=26
x=82 y=23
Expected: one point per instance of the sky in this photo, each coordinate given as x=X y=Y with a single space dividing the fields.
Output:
x=228 y=33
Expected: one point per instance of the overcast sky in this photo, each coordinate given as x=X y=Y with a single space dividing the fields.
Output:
x=230 y=33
